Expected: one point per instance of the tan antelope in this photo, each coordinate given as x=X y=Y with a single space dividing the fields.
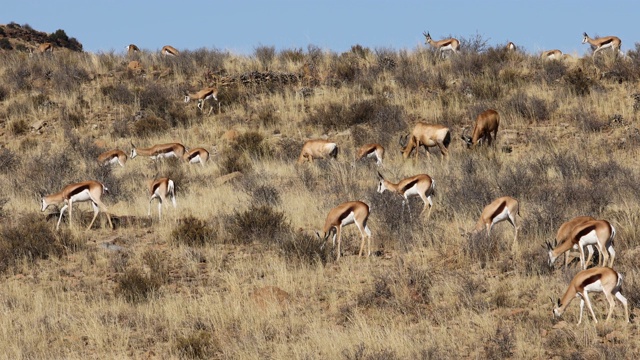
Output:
x=160 y=151
x=317 y=149
x=511 y=46
x=419 y=185
x=599 y=279
x=554 y=54
x=352 y=212
x=373 y=150
x=197 y=155
x=45 y=47
x=132 y=49
x=113 y=157
x=160 y=189
x=612 y=42
x=202 y=96
x=593 y=232
x=564 y=233
x=502 y=208
x=169 y=50
x=452 y=44
x=79 y=192
x=486 y=123
x=427 y=135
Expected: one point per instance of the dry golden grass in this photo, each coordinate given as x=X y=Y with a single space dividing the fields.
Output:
x=427 y=292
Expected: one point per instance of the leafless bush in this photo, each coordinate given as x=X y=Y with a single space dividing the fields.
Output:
x=198 y=345
x=149 y=125
x=529 y=107
x=192 y=231
x=502 y=344
x=259 y=223
x=118 y=93
x=265 y=54
x=134 y=286
x=578 y=82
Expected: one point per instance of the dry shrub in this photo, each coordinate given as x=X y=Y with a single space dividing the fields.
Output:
x=529 y=107
x=265 y=55
x=232 y=162
x=158 y=263
x=192 y=231
x=264 y=194
x=259 y=223
x=360 y=352
x=197 y=345
x=578 y=83
x=18 y=127
x=149 y=125
x=135 y=287
x=305 y=249
x=32 y=238
x=119 y=93
x=252 y=143
x=502 y=344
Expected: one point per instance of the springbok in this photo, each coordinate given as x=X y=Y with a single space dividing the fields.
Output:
x=599 y=279
x=419 y=185
x=160 y=189
x=486 y=123
x=612 y=42
x=317 y=149
x=78 y=192
x=351 y=212
x=373 y=150
x=428 y=135
x=451 y=44
x=592 y=232
x=503 y=208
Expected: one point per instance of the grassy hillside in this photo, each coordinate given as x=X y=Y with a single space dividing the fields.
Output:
x=235 y=271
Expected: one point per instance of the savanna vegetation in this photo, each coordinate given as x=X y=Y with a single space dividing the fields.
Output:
x=236 y=271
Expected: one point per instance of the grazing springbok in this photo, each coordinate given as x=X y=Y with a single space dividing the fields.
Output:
x=427 y=135
x=113 y=157
x=503 y=208
x=451 y=44
x=554 y=54
x=599 y=279
x=592 y=232
x=612 y=42
x=419 y=185
x=197 y=155
x=132 y=49
x=352 y=212
x=160 y=151
x=373 y=150
x=169 y=50
x=317 y=149
x=564 y=234
x=160 y=189
x=78 y=192
x=486 y=123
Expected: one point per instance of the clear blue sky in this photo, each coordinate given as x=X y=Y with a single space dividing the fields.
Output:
x=240 y=26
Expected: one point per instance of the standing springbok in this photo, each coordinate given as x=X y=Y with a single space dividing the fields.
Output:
x=113 y=157
x=78 y=192
x=351 y=212
x=511 y=46
x=160 y=189
x=317 y=149
x=593 y=232
x=503 y=208
x=612 y=42
x=373 y=150
x=132 y=49
x=451 y=44
x=427 y=135
x=486 y=123
x=419 y=185
x=599 y=279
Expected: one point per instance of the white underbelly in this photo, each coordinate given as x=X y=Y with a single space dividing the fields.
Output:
x=501 y=217
x=81 y=196
x=591 y=238
x=349 y=219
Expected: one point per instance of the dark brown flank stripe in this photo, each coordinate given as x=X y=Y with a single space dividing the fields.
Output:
x=371 y=151
x=586 y=230
x=590 y=280
x=409 y=185
x=606 y=42
x=155 y=187
x=78 y=190
x=499 y=210
x=194 y=155
x=447 y=43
